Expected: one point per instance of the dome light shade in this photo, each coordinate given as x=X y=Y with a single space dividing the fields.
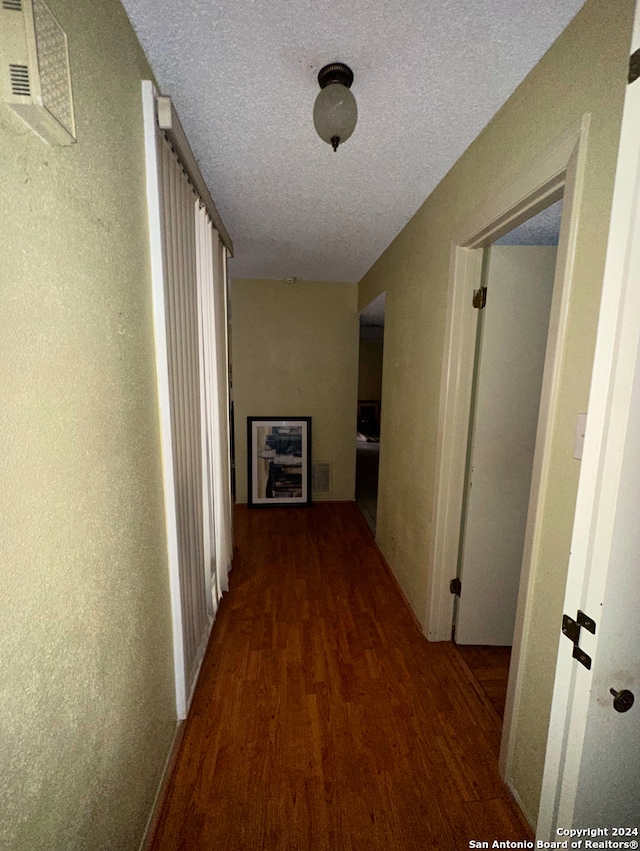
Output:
x=335 y=112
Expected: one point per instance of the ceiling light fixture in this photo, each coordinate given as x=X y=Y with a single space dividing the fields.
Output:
x=335 y=111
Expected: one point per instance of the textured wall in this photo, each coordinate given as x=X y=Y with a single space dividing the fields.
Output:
x=584 y=71
x=370 y=370
x=86 y=679
x=295 y=353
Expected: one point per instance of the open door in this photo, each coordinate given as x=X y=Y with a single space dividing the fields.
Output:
x=592 y=766
x=512 y=338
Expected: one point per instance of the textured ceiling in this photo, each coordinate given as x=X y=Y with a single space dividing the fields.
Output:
x=429 y=75
x=543 y=229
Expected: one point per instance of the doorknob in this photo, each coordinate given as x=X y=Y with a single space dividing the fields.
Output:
x=622 y=700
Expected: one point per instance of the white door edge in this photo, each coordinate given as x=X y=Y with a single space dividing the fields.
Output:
x=616 y=358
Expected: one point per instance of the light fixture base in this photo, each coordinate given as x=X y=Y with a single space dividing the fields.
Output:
x=335 y=72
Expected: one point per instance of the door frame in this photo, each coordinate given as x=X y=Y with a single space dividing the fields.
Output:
x=557 y=172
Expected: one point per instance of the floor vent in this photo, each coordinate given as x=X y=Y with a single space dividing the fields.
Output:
x=321 y=478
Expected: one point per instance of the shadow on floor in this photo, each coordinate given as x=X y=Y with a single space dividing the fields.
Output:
x=367 y=463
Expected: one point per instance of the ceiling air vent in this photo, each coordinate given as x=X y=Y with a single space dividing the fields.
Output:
x=321 y=478
x=36 y=80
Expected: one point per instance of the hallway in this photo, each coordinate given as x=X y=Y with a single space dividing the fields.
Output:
x=323 y=719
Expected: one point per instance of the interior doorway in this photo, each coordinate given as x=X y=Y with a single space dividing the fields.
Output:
x=512 y=330
x=558 y=172
x=369 y=409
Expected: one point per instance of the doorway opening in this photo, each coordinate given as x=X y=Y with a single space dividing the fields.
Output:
x=369 y=408
x=511 y=341
x=558 y=172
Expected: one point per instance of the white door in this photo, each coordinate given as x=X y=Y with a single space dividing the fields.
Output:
x=592 y=767
x=608 y=791
x=509 y=368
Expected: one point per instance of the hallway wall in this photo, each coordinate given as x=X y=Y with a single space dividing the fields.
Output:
x=584 y=71
x=86 y=671
x=295 y=353
x=370 y=370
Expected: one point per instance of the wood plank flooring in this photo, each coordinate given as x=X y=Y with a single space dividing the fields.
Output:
x=323 y=720
x=490 y=668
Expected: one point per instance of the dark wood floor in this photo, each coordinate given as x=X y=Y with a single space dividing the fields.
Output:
x=489 y=667
x=323 y=720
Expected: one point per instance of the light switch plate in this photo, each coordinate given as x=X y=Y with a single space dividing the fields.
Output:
x=578 y=440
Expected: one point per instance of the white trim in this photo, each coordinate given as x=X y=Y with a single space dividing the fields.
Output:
x=560 y=168
x=162 y=377
x=615 y=362
x=550 y=395
x=169 y=122
x=541 y=184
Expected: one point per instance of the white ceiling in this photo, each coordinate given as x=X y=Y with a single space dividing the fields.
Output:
x=429 y=74
x=542 y=229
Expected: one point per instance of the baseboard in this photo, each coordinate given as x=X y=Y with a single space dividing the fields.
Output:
x=414 y=617
x=156 y=808
x=316 y=499
x=530 y=821
x=174 y=752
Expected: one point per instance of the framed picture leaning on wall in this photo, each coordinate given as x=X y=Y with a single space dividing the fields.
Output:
x=279 y=461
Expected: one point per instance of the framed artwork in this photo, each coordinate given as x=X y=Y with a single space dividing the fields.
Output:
x=279 y=461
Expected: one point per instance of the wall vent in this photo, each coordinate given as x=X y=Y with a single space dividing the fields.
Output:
x=321 y=478
x=19 y=75
x=36 y=79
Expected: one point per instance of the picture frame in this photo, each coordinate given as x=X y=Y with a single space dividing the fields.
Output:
x=279 y=461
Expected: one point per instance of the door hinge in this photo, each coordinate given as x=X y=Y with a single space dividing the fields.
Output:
x=571 y=628
x=455 y=586
x=480 y=298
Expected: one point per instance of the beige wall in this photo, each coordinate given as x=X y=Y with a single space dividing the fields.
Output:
x=295 y=353
x=86 y=674
x=584 y=71
x=370 y=370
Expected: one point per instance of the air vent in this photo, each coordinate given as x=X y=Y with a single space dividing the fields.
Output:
x=321 y=478
x=19 y=75
x=36 y=78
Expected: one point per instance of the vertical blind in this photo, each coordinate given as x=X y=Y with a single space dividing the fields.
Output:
x=195 y=329
x=215 y=394
x=182 y=331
